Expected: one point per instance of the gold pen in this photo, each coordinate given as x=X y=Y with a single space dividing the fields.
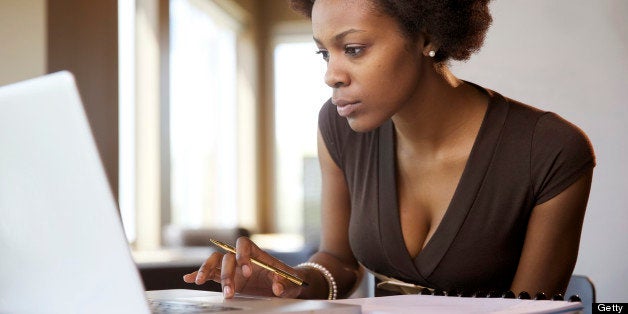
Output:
x=293 y=279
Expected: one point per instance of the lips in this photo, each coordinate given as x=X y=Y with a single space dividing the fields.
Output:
x=345 y=107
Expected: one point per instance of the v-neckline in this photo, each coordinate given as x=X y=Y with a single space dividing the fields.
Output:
x=461 y=202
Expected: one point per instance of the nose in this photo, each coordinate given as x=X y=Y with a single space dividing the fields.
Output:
x=336 y=75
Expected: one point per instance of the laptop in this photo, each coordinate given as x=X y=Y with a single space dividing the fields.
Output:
x=62 y=245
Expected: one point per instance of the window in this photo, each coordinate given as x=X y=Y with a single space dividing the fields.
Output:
x=203 y=117
x=182 y=147
x=299 y=94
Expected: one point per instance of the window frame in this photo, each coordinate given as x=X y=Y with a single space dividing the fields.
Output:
x=148 y=185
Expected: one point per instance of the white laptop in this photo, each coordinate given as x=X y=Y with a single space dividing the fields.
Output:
x=62 y=245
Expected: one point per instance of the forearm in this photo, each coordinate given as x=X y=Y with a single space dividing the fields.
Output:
x=345 y=275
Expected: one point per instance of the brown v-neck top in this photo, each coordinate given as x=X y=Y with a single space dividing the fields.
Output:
x=522 y=157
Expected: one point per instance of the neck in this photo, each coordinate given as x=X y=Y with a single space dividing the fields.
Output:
x=440 y=113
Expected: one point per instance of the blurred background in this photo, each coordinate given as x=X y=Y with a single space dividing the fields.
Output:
x=205 y=111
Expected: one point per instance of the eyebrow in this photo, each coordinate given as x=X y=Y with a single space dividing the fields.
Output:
x=340 y=36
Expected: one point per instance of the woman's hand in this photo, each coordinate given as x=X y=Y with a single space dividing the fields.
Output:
x=236 y=273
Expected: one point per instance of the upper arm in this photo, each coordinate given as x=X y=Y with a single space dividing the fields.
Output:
x=552 y=240
x=562 y=161
x=335 y=207
x=335 y=252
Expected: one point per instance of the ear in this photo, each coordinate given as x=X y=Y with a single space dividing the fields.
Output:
x=426 y=45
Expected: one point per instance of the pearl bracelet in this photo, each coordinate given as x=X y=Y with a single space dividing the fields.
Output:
x=331 y=282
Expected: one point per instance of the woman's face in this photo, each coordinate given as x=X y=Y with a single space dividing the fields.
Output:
x=373 y=69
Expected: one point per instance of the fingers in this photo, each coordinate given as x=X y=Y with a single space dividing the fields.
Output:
x=235 y=272
x=208 y=271
x=244 y=249
x=283 y=288
x=278 y=289
x=247 y=249
x=190 y=278
x=227 y=275
x=238 y=265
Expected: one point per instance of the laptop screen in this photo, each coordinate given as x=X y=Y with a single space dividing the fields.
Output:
x=62 y=243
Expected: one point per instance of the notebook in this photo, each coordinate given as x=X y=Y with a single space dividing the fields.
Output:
x=412 y=303
x=62 y=245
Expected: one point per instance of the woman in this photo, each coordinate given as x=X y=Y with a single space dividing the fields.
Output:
x=427 y=179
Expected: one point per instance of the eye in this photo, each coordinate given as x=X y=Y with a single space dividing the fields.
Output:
x=354 y=51
x=324 y=53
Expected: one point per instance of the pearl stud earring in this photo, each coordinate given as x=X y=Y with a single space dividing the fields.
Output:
x=432 y=53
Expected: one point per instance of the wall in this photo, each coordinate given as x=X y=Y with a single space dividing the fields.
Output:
x=83 y=39
x=40 y=36
x=571 y=57
x=22 y=39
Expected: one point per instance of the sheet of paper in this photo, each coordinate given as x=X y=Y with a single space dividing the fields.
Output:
x=440 y=304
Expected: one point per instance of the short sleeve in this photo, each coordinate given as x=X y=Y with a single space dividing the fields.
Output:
x=329 y=126
x=560 y=154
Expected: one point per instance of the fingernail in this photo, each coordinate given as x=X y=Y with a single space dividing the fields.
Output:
x=199 y=278
x=246 y=271
x=226 y=291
